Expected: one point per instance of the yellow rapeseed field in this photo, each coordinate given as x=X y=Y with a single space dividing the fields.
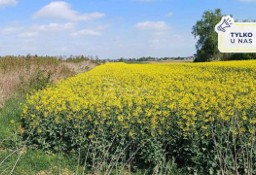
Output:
x=152 y=93
x=196 y=110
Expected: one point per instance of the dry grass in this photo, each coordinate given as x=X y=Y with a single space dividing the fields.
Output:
x=17 y=72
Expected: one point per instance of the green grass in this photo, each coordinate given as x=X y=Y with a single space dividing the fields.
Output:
x=10 y=117
x=15 y=156
x=33 y=161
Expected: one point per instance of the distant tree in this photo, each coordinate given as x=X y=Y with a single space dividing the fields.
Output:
x=207 y=44
x=121 y=59
x=239 y=56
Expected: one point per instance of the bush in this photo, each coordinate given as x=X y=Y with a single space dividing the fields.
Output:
x=39 y=80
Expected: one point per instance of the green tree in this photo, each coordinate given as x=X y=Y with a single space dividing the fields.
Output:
x=207 y=44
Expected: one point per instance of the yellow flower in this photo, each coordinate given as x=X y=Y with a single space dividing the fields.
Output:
x=154 y=96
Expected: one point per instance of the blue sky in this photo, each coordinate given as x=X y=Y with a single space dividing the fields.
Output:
x=108 y=28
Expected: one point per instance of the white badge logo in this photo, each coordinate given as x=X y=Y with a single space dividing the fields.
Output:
x=236 y=36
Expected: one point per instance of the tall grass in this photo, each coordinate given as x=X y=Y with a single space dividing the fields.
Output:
x=17 y=72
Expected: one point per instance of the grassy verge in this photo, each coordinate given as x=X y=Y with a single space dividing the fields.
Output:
x=10 y=119
x=16 y=158
x=30 y=162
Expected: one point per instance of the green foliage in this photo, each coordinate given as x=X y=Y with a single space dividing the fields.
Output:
x=77 y=59
x=39 y=80
x=30 y=162
x=239 y=56
x=10 y=123
x=99 y=149
x=207 y=44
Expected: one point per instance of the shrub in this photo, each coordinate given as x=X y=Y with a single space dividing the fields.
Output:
x=39 y=80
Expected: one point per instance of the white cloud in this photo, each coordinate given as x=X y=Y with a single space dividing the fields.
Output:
x=36 y=30
x=52 y=27
x=86 y=32
x=8 y=2
x=62 y=10
x=152 y=25
x=10 y=30
x=28 y=34
x=96 y=31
